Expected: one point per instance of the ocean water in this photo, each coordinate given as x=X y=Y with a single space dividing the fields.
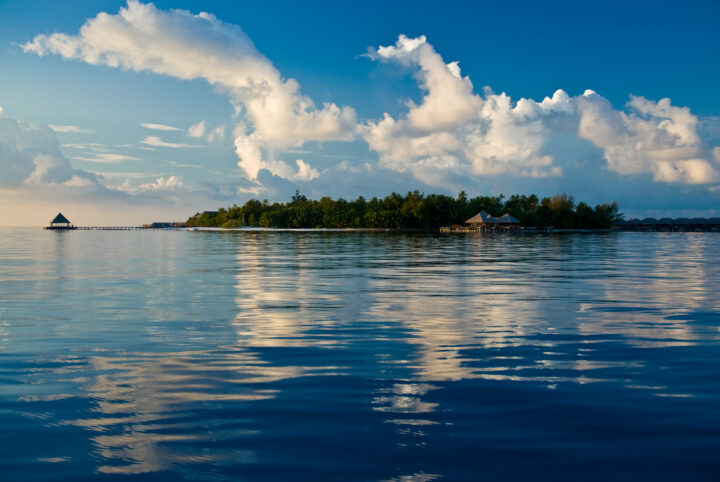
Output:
x=176 y=355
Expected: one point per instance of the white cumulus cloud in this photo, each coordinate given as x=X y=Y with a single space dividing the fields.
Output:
x=654 y=137
x=142 y=37
x=449 y=98
x=197 y=130
x=454 y=131
x=170 y=183
x=201 y=130
x=305 y=172
x=217 y=134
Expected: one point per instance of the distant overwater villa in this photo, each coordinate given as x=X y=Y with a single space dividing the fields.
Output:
x=487 y=223
x=60 y=222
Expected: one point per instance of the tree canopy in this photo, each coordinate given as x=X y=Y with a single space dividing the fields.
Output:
x=414 y=210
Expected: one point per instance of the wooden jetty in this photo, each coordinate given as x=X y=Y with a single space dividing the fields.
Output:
x=61 y=223
x=110 y=228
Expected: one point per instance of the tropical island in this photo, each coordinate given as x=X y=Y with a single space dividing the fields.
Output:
x=413 y=211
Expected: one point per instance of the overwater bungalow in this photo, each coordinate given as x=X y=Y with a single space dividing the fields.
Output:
x=483 y=221
x=672 y=225
x=60 y=223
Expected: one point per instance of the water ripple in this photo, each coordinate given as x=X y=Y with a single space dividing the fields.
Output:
x=368 y=356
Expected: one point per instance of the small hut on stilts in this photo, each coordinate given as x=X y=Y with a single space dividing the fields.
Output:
x=60 y=223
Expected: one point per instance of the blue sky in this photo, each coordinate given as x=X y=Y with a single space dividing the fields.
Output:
x=325 y=131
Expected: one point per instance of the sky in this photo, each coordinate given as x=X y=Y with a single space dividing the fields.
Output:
x=130 y=112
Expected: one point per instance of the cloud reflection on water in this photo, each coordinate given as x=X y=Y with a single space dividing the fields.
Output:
x=253 y=316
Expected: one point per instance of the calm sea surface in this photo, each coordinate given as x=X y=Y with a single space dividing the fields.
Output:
x=175 y=355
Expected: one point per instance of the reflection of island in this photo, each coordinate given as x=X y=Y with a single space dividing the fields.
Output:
x=145 y=418
x=501 y=318
x=275 y=297
x=663 y=281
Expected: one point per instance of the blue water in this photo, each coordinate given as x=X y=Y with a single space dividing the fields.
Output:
x=175 y=355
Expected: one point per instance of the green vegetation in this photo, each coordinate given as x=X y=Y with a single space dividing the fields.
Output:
x=412 y=211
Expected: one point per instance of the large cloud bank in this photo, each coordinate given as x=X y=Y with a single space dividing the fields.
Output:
x=454 y=130
x=30 y=156
x=452 y=135
x=177 y=43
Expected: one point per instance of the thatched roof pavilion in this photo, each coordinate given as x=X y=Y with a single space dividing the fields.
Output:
x=480 y=218
x=60 y=222
x=483 y=218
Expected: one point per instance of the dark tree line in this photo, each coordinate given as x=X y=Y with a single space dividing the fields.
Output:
x=412 y=211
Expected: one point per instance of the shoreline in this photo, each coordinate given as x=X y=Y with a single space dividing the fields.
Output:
x=364 y=230
x=388 y=230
